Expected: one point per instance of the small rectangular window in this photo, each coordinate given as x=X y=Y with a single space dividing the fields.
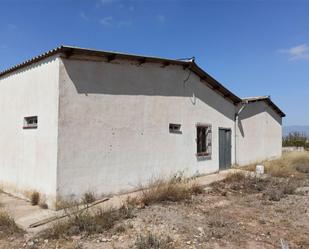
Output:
x=203 y=140
x=31 y=122
x=174 y=128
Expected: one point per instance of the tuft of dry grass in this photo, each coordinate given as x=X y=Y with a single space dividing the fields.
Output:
x=173 y=189
x=272 y=188
x=153 y=241
x=235 y=177
x=35 y=198
x=8 y=225
x=85 y=221
x=88 y=198
x=290 y=164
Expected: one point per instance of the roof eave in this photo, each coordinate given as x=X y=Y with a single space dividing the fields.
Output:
x=269 y=102
x=67 y=51
x=215 y=84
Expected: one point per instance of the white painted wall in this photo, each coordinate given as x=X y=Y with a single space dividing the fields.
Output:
x=28 y=157
x=259 y=134
x=103 y=127
x=113 y=124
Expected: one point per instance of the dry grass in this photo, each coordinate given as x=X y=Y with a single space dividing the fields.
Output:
x=272 y=188
x=35 y=198
x=8 y=225
x=290 y=164
x=173 y=189
x=153 y=241
x=235 y=177
x=85 y=221
x=88 y=198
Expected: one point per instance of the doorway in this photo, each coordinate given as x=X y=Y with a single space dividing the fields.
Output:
x=225 y=145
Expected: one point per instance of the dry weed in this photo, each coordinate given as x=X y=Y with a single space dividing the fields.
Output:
x=290 y=164
x=8 y=225
x=88 y=198
x=173 y=189
x=35 y=198
x=235 y=177
x=85 y=221
x=153 y=241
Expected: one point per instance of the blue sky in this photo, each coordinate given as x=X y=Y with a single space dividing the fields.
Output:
x=252 y=47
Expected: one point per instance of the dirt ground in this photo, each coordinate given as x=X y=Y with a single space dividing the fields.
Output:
x=234 y=214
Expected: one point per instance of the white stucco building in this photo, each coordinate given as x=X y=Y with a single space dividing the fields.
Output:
x=77 y=120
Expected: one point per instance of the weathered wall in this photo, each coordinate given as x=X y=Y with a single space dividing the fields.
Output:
x=28 y=157
x=259 y=134
x=114 y=124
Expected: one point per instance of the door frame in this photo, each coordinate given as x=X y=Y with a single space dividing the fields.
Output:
x=230 y=130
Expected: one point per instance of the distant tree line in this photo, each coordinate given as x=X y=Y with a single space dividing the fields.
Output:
x=297 y=139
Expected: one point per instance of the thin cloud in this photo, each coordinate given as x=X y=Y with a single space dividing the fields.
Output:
x=107 y=21
x=83 y=16
x=161 y=18
x=300 y=52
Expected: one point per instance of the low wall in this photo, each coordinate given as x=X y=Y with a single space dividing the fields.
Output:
x=293 y=149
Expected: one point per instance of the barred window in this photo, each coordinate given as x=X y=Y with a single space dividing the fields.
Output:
x=174 y=128
x=31 y=122
x=203 y=140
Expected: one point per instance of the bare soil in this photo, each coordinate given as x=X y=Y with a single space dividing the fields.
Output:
x=230 y=214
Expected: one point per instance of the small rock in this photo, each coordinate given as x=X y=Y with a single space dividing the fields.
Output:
x=75 y=237
x=141 y=206
x=46 y=241
x=30 y=243
x=201 y=230
x=115 y=237
x=302 y=190
x=188 y=242
x=208 y=189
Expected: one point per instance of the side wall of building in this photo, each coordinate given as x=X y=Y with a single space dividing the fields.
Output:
x=259 y=134
x=114 y=124
x=28 y=157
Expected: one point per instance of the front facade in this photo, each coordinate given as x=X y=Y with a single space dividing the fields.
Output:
x=78 y=120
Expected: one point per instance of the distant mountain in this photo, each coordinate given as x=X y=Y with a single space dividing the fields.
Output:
x=298 y=128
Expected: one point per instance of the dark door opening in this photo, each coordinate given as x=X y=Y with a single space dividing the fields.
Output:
x=225 y=145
